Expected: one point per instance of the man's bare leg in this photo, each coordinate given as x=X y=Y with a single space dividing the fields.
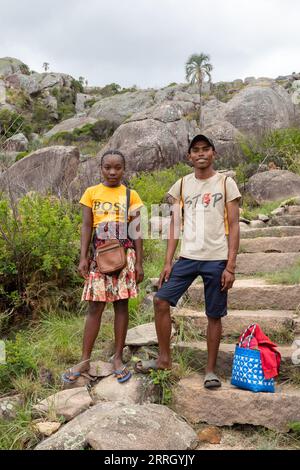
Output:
x=163 y=329
x=214 y=333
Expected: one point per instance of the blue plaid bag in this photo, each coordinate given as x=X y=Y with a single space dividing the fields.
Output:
x=247 y=372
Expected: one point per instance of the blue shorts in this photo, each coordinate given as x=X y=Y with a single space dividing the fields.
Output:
x=184 y=272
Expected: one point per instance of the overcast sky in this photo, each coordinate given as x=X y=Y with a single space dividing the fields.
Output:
x=147 y=42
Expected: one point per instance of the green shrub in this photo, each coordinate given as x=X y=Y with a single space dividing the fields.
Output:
x=153 y=187
x=281 y=147
x=42 y=118
x=19 y=361
x=12 y=123
x=39 y=248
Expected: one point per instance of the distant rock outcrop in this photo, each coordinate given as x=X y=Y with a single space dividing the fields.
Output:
x=9 y=65
x=273 y=185
x=49 y=169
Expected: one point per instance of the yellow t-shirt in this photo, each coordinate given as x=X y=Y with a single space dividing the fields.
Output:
x=109 y=204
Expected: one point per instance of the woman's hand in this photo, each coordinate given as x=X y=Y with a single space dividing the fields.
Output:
x=83 y=267
x=227 y=280
x=139 y=273
x=165 y=274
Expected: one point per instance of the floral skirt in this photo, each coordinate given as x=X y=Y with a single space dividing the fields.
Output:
x=109 y=288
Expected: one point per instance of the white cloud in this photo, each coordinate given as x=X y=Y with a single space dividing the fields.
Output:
x=146 y=42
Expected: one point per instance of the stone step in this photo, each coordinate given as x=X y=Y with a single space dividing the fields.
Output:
x=271 y=321
x=279 y=231
x=293 y=210
x=254 y=263
x=229 y=405
x=288 y=219
x=246 y=294
x=270 y=245
x=254 y=294
x=198 y=356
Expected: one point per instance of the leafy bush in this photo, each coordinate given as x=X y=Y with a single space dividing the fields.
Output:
x=42 y=118
x=19 y=361
x=12 y=123
x=152 y=187
x=282 y=147
x=39 y=247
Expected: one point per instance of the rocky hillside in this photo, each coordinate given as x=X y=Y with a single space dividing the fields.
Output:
x=52 y=120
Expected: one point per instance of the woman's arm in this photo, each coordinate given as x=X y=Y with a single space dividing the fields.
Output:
x=138 y=246
x=86 y=234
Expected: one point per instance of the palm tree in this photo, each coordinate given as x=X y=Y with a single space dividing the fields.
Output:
x=196 y=68
x=46 y=66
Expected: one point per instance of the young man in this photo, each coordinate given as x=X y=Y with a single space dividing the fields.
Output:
x=206 y=250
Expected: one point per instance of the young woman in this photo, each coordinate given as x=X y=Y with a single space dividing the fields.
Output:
x=104 y=209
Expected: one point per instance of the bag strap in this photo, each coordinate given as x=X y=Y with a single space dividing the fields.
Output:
x=253 y=326
x=181 y=199
x=225 y=193
x=127 y=208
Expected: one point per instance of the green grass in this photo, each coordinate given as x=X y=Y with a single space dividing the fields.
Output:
x=251 y=213
x=54 y=343
x=287 y=276
x=19 y=434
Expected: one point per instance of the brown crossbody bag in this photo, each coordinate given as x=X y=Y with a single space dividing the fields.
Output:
x=111 y=256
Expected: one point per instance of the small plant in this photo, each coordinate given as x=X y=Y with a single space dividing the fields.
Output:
x=164 y=380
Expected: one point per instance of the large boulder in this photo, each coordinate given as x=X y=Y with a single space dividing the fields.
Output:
x=81 y=100
x=143 y=427
x=151 y=144
x=155 y=139
x=225 y=137
x=273 y=185
x=120 y=107
x=212 y=111
x=68 y=125
x=50 y=169
x=114 y=426
x=165 y=112
x=257 y=109
x=9 y=65
x=37 y=82
x=88 y=174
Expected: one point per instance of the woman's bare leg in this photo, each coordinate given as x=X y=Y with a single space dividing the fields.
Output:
x=120 y=326
x=91 y=330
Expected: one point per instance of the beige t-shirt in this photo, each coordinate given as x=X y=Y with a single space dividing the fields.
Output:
x=204 y=228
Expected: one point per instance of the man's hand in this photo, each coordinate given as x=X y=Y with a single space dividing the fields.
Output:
x=227 y=280
x=83 y=268
x=139 y=273
x=165 y=274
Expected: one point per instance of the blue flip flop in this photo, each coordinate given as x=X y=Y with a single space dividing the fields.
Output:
x=66 y=377
x=122 y=375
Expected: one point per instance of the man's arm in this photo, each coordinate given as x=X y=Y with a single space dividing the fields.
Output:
x=86 y=234
x=233 y=215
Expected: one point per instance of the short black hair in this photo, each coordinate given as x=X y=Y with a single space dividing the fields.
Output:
x=113 y=152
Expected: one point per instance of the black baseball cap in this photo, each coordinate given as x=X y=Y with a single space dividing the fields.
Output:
x=199 y=137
